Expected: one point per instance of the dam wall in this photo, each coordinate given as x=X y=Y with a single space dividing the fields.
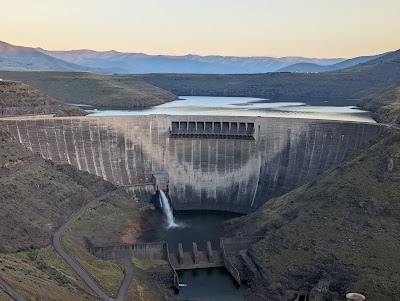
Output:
x=204 y=173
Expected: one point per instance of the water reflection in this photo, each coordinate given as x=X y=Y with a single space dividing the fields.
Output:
x=245 y=106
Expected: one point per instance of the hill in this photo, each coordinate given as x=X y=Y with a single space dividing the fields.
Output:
x=354 y=82
x=20 y=99
x=28 y=193
x=94 y=89
x=310 y=67
x=384 y=104
x=334 y=235
x=36 y=198
x=17 y=58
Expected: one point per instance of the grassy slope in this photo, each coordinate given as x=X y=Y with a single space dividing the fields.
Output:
x=115 y=220
x=94 y=89
x=343 y=226
x=102 y=224
x=5 y=297
x=150 y=277
x=385 y=104
x=17 y=99
x=12 y=155
x=32 y=205
x=35 y=203
x=354 y=82
x=42 y=275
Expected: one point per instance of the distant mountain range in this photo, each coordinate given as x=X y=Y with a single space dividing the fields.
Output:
x=17 y=58
x=310 y=67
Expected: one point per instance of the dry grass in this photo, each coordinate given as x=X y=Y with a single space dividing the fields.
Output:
x=42 y=275
x=20 y=99
x=108 y=222
x=384 y=104
x=152 y=281
x=94 y=89
x=343 y=225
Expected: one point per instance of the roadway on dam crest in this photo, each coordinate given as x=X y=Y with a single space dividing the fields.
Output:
x=128 y=269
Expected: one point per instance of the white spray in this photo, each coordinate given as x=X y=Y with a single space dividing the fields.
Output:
x=167 y=210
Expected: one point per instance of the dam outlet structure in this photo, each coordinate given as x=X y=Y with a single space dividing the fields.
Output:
x=213 y=162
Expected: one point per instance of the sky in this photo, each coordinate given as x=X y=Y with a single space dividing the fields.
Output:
x=309 y=28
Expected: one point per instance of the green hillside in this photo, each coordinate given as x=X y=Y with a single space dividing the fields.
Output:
x=337 y=234
x=28 y=194
x=384 y=104
x=17 y=98
x=94 y=89
x=354 y=82
x=37 y=201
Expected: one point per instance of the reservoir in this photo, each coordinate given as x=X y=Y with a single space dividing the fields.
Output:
x=245 y=106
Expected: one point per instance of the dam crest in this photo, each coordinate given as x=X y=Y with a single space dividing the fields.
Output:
x=216 y=163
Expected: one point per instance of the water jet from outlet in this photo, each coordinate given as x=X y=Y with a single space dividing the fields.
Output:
x=167 y=210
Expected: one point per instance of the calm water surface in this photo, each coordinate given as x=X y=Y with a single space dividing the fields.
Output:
x=245 y=106
x=213 y=284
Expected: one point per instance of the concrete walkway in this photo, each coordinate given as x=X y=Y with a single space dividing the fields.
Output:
x=76 y=266
x=10 y=291
x=123 y=289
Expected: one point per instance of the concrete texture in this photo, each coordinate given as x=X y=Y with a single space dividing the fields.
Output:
x=144 y=251
x=142 y=192
x=221 y=174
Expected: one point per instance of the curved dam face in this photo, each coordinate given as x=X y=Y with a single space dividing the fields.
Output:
x=265 y=158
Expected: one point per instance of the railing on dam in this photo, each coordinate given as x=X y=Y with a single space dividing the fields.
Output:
x=144 y=251
x=178 y=261
x=233 y=245
x=148 y=251
x=208 y=129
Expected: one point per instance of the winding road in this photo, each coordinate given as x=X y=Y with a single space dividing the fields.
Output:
x=36 y=163
x=128 y=269
x=11 y=292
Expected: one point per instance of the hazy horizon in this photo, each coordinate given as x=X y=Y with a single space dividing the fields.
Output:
x=194 y=54
x=255 y=28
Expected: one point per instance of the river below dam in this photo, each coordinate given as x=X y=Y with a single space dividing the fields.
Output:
x=328 y=109
x=213 y=284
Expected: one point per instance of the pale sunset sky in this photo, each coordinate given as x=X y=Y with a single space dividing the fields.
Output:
x=310 y=28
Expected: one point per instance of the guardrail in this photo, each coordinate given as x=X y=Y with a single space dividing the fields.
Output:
x=229 y=265
x=146 y=251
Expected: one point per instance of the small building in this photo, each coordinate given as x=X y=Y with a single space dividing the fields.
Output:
x=160 y=181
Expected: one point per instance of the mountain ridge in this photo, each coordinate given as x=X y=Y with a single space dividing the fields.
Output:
x=21 y=58
x=140 y=63
x=312 y=67
x=18 y=58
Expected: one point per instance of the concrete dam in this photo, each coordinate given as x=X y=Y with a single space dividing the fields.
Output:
x=217 y=163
